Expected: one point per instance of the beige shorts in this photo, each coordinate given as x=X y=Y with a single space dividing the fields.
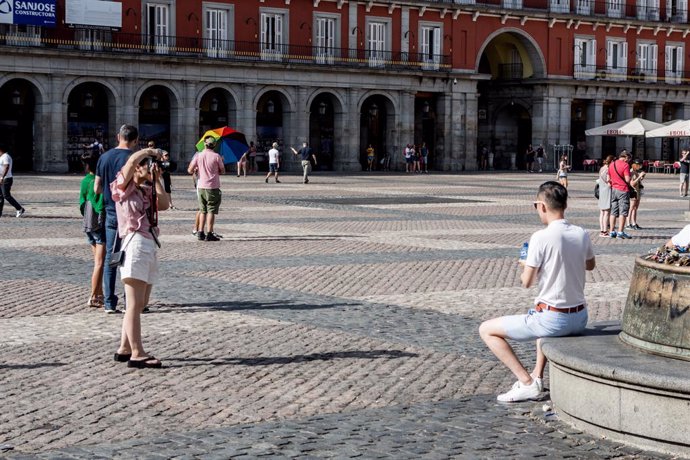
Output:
x=141 y=260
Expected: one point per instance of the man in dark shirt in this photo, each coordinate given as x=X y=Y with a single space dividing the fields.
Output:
x=109 y=164
x=306 y=155
x=684 y=171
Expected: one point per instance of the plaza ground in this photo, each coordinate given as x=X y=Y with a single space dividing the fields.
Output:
x=334 y=319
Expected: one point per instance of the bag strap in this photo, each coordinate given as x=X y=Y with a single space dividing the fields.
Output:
x=619 y=174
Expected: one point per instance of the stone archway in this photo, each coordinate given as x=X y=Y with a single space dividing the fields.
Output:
x=20 y=100
x=155 y=111
x=88 y=119
x=377 y=128
x=271 y=126
x=325 y=132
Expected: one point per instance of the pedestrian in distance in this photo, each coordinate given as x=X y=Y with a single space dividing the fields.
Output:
x=684 y=171
x=557 y=259
x=563 y=168
x=109 y=164
x=637 y=175
x=167 y=166
x=541 y=156
x=307 y=156
x=619 y=176
x=604 y=196
x=529 y=158
x=139 y=195
x=273 y=162
x=417 y=163
x=91 y=208
x=371 y=157
x=242 y=164
x=6 y=181
x=208 y=166
x=424 y=157
x=252 y=157
x=408 y=153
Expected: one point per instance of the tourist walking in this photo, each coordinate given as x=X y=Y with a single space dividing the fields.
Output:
x=208 y=166
x=273 y=162
x=619 y=177
x=252 y=157
x=109 y=164
x=563 y=168
x=6 y=181
x=604 y=196
x=637 y=175
x=242 y=164
x=408 y=153
x=684 y=171
x=424 y=157
x=529 y=158
x=557 y=258
x=139 y=195
x=306 y=155
x=91 y=208
x=541 y=156
x=371 y=157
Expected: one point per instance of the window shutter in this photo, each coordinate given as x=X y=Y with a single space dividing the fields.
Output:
x=668 y=60
x=679 y=61
x=653 y=56
x=623 y=57
x=592 y=54
x=437 y=41
x=264 y=29
x=279 y=32
x=641 y=57
x=611 y=49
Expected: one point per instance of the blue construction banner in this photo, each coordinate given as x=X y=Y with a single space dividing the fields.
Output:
x=31 y=12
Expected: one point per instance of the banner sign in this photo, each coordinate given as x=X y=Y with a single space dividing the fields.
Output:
x=31 y=13
x=96 y=13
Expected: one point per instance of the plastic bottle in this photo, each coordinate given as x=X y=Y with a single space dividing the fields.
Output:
x=523 y=251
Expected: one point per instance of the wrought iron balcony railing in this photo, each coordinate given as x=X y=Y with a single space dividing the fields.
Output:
x=631 y=74
x=228 y=50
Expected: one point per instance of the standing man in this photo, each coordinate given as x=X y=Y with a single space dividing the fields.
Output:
x=540 y=157
x=557 y=259
x=6 y=181
x=109 y=164
x=306 y=155
x=619 y=175
x=208 y=166
x=273 y=162
x=684 y=171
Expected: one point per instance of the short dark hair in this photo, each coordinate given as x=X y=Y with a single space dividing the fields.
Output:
x=129 y=133
x=554 y=195
x=91 y=160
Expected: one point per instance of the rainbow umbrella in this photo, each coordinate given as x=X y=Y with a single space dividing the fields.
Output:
x=230 y=144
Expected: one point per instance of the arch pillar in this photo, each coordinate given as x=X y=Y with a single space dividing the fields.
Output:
x=246 y=113
x=53 y=115
x=348 y=159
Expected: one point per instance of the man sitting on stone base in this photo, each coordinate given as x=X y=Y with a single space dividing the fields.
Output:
x=557 y=259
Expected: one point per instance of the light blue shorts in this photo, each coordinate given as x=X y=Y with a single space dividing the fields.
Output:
x=535 y=324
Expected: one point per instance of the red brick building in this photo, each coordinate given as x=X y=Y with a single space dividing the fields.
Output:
x=457 y=75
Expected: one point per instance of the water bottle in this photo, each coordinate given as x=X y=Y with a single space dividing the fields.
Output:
x=523 y=251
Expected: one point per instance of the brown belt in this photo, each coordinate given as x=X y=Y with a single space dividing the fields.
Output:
x=543 y=307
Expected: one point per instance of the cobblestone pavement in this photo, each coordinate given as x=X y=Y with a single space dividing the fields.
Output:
x=335 y=319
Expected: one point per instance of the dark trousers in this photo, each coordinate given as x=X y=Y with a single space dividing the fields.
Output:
x=5 y=194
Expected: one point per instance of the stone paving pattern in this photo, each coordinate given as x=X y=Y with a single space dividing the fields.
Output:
x=335 y=319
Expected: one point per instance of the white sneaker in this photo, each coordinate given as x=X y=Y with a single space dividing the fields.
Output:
x=520 y=392
x=540 y=383
x=21 y=212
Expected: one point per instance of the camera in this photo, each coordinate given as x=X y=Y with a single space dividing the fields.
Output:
x=163 y=165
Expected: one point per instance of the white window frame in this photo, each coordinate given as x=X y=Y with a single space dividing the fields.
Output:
x=614 y=8
x=273 y=33
x=585 y=58
x=559 y=6
x=23 y=35
x=218 y=40
x=616 y=58
x=91 y=39
x=648 y=10
x=326 y=41
x=161 y=38
x=647 y=61
x=584 y=7
x=677 y=10
x=673 y=62
x=430 y=44
x=378 y=40
x=512 y=4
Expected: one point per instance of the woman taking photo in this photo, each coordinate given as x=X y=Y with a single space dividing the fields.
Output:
x=138 y=194
x=636 y=177
x=604 y=196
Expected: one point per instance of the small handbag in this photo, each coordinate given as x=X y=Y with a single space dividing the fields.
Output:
x=117 y=258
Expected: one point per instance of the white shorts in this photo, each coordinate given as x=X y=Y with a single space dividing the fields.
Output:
x=141 y=260
x=535 y=324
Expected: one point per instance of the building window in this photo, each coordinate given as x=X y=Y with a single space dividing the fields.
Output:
x=326 y=38
x=92 y=39
x=560 y=6
x=616 y=59
x=584 y=7
x=512 y=4
x=430 y=37
x=273 y=40
x=648 y=10
x=674 y=64
x=377 y=43
x=614 y=8
x=217 y=29
x=23 y=35
x=159 y=36
x=585 y=58
x=677 y=10
x=646 y=65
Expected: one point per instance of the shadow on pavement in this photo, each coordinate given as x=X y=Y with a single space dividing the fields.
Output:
x=233 y=305
x=29 y=366
x=269 y=360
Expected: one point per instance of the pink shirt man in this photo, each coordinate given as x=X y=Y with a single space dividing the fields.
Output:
x=210 y=166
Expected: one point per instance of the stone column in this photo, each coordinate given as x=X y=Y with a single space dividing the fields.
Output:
x=653 y=145
x=469 y=142
x=348 y=158
x=564 y=121
x=457 y=116
x=53 y=115
x=246 y=113
x=624 y=112
x=187 y=125
x=130 y=106
x=405 y=131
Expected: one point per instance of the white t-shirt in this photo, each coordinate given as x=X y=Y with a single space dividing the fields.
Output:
x=560 y=251
x=273 y=156
x=6 y=159
x=682 y=238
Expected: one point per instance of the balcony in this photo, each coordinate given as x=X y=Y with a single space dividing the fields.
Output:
x=631 y=75
x=229 y=50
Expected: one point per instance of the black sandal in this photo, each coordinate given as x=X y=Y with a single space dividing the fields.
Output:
x=122 y=358
x=146 y=363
